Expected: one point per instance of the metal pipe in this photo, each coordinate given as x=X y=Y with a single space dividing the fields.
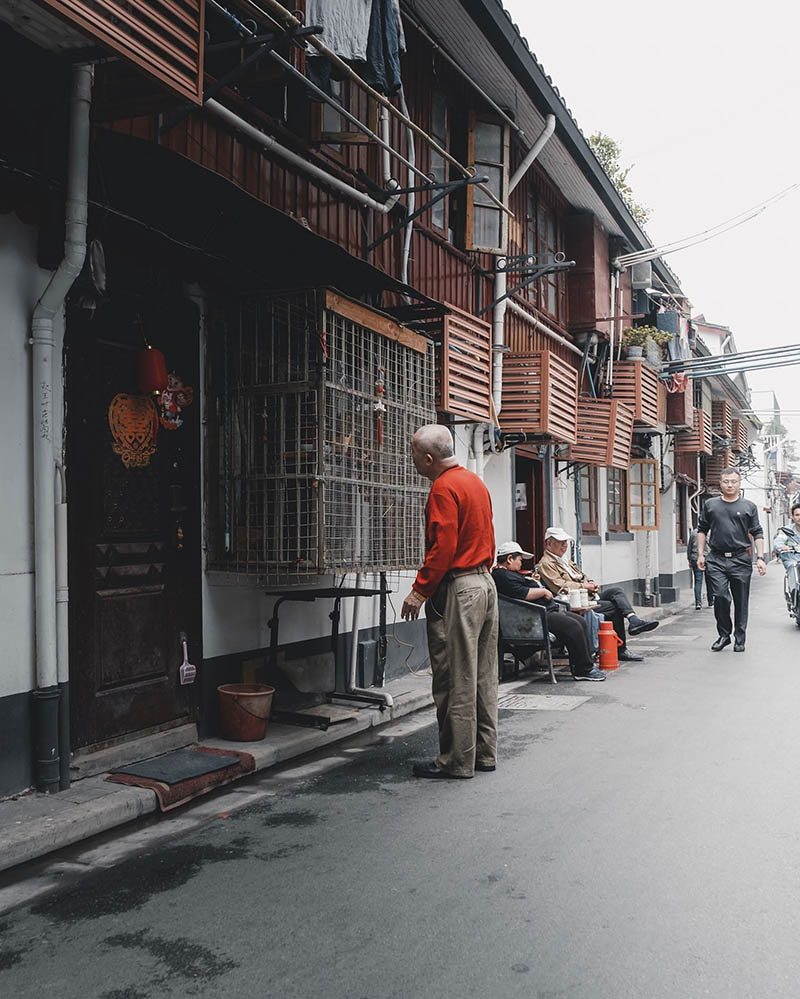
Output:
x=737 y=369
x=62 y=633
x=533 y=152
x=500 y=278
x=411 y=200
x=518 y=310
x=386 y=168
x=269 y=143
x=46 y=696
x=378 y=696
x=477 y=450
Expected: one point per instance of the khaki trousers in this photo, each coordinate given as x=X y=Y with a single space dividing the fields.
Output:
x=462 y=642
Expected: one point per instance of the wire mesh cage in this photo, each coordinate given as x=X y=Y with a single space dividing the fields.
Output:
x=312 y=413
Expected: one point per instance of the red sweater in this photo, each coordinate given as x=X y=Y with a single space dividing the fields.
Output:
x=458 y=527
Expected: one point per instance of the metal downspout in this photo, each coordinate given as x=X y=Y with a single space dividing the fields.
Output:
x=46 y=696
x=500 y=282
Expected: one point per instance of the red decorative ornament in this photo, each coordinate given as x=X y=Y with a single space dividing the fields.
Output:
x=152 y=371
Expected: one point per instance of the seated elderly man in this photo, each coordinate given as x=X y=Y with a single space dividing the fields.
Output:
x=568 y=628
x=558 y=573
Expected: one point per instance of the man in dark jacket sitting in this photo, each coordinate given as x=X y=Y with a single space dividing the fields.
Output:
x=565 y=625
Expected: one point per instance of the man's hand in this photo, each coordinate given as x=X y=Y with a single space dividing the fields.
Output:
x=411 y=606
x=591 y=586
x=783 y=548
x=761 y=565
x=701 y=563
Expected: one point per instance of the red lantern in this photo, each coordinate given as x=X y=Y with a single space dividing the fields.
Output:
x=152 y=371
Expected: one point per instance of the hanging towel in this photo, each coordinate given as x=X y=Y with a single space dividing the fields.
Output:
x=346 y=25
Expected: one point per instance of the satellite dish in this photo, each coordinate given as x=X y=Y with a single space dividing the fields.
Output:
x=667 y=478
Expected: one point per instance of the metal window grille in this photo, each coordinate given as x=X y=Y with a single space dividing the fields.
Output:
x=312 y=476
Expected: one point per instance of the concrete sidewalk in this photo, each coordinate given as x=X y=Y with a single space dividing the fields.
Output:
x=33 y=825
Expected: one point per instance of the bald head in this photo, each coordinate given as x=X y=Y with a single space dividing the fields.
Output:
x=432 y=450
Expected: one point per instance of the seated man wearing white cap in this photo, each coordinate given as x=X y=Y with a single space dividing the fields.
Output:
x=558 y=573
x=568 y=628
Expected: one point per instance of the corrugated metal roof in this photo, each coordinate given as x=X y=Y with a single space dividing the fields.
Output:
x=567 y=157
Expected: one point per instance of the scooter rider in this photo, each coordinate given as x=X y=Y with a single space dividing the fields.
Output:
x=787 y=544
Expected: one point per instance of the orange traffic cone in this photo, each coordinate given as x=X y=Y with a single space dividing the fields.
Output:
x=609 y=641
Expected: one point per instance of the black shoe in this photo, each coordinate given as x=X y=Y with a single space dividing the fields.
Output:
x=432 y=771
x=698 y=606
x=629 y=657
x=593 y=674
x=636 y=625
x=486 y=768
x=720 y=643
x=738 y=646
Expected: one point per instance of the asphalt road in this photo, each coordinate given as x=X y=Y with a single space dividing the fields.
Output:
x=645 y=843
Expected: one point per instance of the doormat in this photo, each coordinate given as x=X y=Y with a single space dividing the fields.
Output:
x=184 y=774
x=540 y=702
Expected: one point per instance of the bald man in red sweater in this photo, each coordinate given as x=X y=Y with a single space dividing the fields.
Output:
x=461 y=611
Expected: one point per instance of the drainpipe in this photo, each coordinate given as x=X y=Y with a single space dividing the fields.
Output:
x=477 y=449
x=500 y=282
x=62 y=631
x=378 y=696
x=46 y=696
x=269 y=143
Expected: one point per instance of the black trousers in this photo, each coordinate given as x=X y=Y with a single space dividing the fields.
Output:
x=569 y=630
x=616 y=607
x=730 y=577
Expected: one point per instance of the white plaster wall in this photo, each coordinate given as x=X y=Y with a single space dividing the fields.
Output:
x=21 y=283
x=498 y=478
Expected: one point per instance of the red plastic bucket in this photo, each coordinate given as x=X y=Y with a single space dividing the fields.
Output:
x=244 y=710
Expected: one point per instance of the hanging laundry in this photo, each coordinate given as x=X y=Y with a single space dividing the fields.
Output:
x=346 y=25
x=383 y=48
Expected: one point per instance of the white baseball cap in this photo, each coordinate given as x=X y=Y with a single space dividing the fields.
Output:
x=557 y=533
x=512 y=548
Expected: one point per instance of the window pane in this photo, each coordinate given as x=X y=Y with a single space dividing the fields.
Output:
x=650 y=516
x=636 y=516
x=488 y=142
x=487 y=225
x=636 y=493
x=495 y=185
x=439 y=118
x=586 y=513
x=438 y=167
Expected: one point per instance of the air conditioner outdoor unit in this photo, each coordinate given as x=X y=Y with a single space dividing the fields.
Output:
x=642 y=276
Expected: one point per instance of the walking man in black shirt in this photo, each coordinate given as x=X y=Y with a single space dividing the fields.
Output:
x=731 y=521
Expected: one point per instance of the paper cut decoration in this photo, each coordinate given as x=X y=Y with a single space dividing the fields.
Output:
x=175 y=398
x=133 y=420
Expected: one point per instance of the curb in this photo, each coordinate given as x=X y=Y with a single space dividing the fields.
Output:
x=36 y=824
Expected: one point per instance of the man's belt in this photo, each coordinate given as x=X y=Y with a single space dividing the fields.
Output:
x=454 y=573
x=731 y=554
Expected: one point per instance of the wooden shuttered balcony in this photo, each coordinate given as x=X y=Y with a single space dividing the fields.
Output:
x=162 y=38
x=716 y=462
x=605 y=433
x=464 y=368
x=540 y=396
x=722 y=418
x=636 y=384
x=680 y=409
x=698 y=440
x=741 y=436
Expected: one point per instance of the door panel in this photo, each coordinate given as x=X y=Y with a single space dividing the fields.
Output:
x=530 y=519
x=134 y=522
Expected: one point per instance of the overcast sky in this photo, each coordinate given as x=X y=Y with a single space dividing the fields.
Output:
x=703 y=99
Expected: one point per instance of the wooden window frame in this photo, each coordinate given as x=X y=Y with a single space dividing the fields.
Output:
x=588 y=474
x=470 y=243
x=618 y=525
x=444 y=142
x=349 y=136
x=537 y=294
x=637 y=502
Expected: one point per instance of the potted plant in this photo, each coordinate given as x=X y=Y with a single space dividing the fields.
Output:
x=646 y=340
x=634 y=339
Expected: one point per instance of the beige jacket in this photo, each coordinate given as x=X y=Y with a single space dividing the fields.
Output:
x=556 y=578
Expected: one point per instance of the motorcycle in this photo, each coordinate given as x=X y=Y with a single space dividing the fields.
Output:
x=791 y=580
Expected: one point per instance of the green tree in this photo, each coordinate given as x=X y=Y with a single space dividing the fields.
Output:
x=609 y=152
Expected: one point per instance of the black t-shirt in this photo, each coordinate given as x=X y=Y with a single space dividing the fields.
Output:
x=513 y=584
x=729 y=525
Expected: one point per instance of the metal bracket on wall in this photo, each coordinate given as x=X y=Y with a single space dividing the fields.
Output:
x=442 y=189
x=531 y=276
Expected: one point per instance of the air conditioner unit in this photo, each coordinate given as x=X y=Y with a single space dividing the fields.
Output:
x=642 y=276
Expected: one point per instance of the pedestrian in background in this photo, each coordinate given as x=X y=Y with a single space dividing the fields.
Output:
x=461 y=608
x=727 y=523
x=698 y=575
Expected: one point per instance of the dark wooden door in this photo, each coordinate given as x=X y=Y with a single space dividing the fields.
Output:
x=133 y=475
x=529 y=504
